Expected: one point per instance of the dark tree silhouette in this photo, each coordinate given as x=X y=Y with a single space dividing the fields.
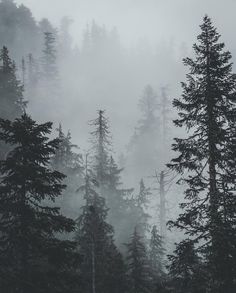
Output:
x=207 y=109
x=32 y=258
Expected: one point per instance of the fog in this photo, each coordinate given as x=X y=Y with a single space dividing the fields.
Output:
x=154 y=19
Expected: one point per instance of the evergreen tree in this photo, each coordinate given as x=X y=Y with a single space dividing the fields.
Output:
x=12 y=104
x=68 y=162
x=32 y=258
x=102 y=269
x=144 y=151
x=119 y=215
x=101 y=144
x=142 y=205
x=186 y=269
x=156 y=255
x=138 y=265
x=207 y=110
x=11 y=90
x=49 y=59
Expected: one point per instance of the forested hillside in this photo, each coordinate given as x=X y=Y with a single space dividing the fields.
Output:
x=98 y=199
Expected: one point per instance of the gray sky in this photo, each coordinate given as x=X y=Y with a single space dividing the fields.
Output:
x=154 y=19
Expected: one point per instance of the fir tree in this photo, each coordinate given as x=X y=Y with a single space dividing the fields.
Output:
x=138 y=265
x=206 y=110
x=49 y=59
x=12 y=103
x=186 y=269
x=101 y=144
x=68 y=162
x=142 y=201
x=32 y=257
x=156 y=255
x=11 y=90
x=95 y=243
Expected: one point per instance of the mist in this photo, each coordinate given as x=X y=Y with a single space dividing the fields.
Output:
x=136 y=149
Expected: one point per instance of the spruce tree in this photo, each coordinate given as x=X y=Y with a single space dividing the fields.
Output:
x=11 y=89
x=68 y=162
x=95 y=243
x=49 y=59
x=138 y=265
x=205 y=160
x=12 y=103
x=186 y=269
x=156 y=254
x=32 y=258
x=101 y=144
x=142 y=201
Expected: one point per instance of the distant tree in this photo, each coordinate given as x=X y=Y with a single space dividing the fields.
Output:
x=12 y=104
x=32 y=258
x=11 y=89
x=143 y=148
x=138 y=265
x=205 y=161
x=186 y=269
x=18 y=29
x=49 y=59
x=101 y=144
x=141 y=202
x=157 y=253
x=102 y=268
x=69 y=162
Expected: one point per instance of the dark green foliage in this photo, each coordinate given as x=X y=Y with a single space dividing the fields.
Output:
x=32 y=258
x=207 y=110
x=139 y=271
x=186 y=270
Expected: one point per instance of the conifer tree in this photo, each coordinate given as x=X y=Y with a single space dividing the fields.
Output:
x=11 y=90
x=95 y=243
x=12 y=103
x=207 y=110
x=144 y=151
x=142 y=201
x=186 y=269
x=138 y=265
x=68 y=162
x=49 y=59
x=32 y=258
x=157 y=252
x=101 y=144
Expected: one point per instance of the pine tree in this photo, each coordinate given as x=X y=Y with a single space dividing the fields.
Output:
x=32 y=258
x=206 y=110
x=144 y=152
x=101 y=143
x=95 y=243
x=49 y=59
x=12 y=103
x=142 y=201
x=11 y=90
x=138 y=265
x=68 y=162
x=186 y=269
x=157 y=252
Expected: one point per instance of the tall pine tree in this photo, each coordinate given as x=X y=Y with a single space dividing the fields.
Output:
x=206 y=110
